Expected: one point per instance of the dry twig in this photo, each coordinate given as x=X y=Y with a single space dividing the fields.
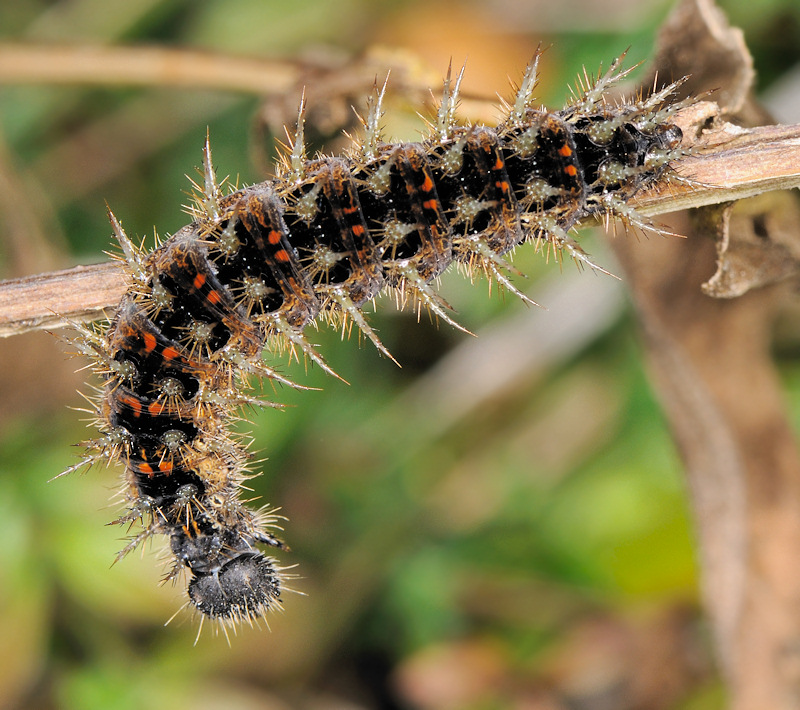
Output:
x=143 y=66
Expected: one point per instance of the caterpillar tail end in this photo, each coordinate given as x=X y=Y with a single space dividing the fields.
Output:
x=245 y=588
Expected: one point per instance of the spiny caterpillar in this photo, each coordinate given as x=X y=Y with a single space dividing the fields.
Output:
x=320 y=240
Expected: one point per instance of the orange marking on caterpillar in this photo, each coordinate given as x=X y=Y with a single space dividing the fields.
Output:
x=199 y=280
x=565 y=150
x=281 y=256
x=274 y=237
x=169 y=353
x=134 y=404
x=571 y=170
x=430 y=204
x=165 y=467
x=358 y=230
x=149 y=342
x=427 y=186
x=213 y=297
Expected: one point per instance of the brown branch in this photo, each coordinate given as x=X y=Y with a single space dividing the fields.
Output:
x=143 y=66
x=96 y=65
x=732 y=164
x=45 y=301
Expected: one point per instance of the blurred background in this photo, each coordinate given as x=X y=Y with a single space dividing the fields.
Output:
x=500 y=523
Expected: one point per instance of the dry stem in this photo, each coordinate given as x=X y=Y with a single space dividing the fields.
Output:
x=146 y=66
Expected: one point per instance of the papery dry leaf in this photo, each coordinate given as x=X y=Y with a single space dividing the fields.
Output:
x=756 y=242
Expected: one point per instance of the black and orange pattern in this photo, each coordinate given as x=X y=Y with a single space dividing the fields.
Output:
x=321 y=240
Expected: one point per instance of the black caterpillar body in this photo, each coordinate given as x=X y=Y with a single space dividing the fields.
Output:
x=322 y=239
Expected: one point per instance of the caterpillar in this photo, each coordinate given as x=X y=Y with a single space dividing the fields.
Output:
x=318 y=241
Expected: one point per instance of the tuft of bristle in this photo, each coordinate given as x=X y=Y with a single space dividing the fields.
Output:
x=446 y=116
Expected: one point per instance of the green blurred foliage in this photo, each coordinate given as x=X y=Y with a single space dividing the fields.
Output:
x=509 y=532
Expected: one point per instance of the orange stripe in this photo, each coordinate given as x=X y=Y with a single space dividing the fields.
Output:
x=358 y=230
x=571 y=170
x=145 y=467
x=430 y=204
x=427 y=186
x=199 y=280
x=155 y=409
x=133 y=403
x=499 y=164
x=149 y=342
x=274 y=237
x=503 y=185
x=213 y=298
x=281 y=256
x=165 y=467
x=350 y=210
x=169 y=353
x=565 y=150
